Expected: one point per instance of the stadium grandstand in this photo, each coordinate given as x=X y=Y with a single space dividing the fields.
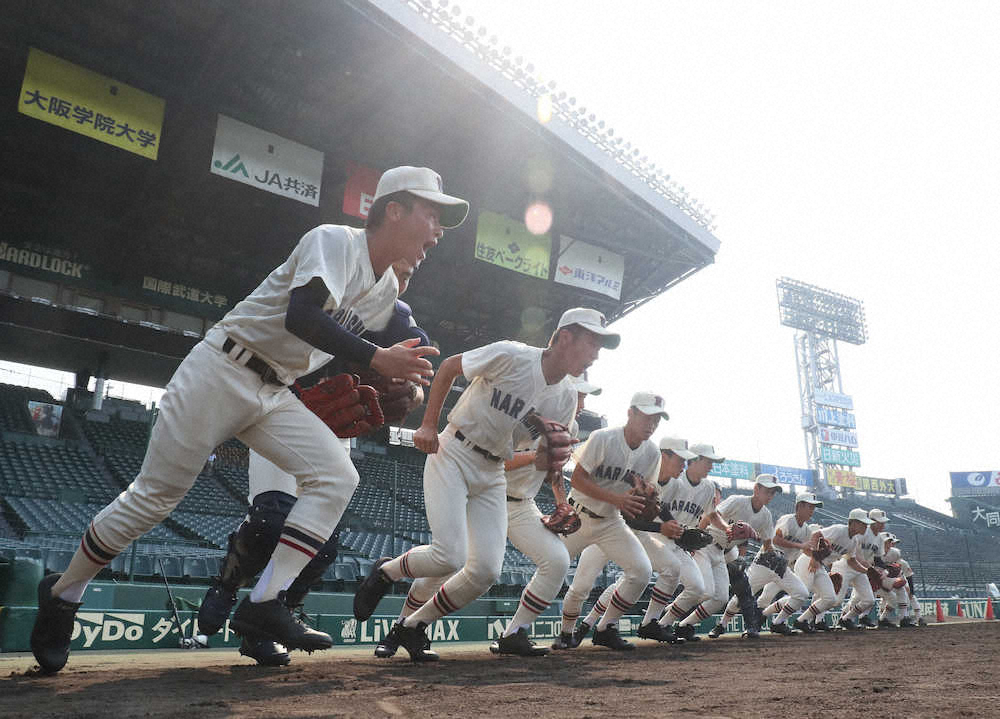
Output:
x=115 y=263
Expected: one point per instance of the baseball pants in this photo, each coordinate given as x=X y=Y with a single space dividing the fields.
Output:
x=711 y=560
x=619 y=544
x=760 y=577
x=526 y=532
x=819 y=584
x=859 y=582
x=265 y=476
x=682 y=569
x=209 y=399
x=658 y=549
x=465 y=496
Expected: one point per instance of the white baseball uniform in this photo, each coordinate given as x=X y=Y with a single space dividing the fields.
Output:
x=894 y=599
x=687 y=502
x=712 y=559
x=214 y=395
x=608 y=459
x=863 y=596
x=464 y=482
x=817 y=581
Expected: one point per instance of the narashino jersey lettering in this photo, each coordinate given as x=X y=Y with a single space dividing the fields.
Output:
x=842 y=543
x=608 y=460
x=871 y=546
x=687 y=502
x=793 y=532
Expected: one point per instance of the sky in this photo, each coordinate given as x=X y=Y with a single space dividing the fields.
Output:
x=849 y=145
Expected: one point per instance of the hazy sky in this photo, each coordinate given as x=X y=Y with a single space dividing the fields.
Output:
x=851 y=145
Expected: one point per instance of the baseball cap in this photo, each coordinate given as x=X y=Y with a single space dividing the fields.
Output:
x=649 y=403
x=877 y=515
x=678 y=446
x=860 y=515
x=706 y=450
x=769 y=481
x=809 y=498
x=425 y=184
x=580 y=384
x=590 y=320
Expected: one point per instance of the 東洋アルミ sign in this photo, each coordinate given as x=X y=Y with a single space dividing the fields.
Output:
x=590 y=267
x=81 y=101
x=267 y=161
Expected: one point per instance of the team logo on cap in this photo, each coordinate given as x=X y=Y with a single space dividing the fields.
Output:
x=604 y=320
x=658 y=400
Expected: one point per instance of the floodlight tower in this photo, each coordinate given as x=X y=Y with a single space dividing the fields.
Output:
x=820 y=318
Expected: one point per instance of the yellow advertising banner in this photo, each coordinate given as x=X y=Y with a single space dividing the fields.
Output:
x=847 y=478
x=81 y=101
x=508 y=243
x=841 y=478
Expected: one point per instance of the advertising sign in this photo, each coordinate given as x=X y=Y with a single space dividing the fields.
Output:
x=507 y=243
x=832 y=399
x=975 y=484
x=733 y=469
x=591 y=267
x=46 y=417
x=846 y=457
x=76 y=99
x=843 y=437
x=266 y=161
x=877 y=485
x=789 y=475
x=841 y=478
x=360 y=190
x=835 y=417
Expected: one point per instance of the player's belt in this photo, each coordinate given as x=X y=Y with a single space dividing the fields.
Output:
x=583 y=509
x=514 y=499
x=476 y=448
x=255 y=363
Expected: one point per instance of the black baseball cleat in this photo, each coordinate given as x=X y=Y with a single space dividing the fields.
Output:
x=414 y=640
x=519 y=644
x=564 y=641
x=906 y=622
x=687 y=632
x=804 y=626
x=751 y=633
x=867 y=622
x=921 y=622
x=215 y=609
x=886 y=624
x=654 y=630
x=387 y=647
x=580 y=633
x=717 y=631
x=610 y=638
x=847 y=624
x=50 y=636
x=265 y=652
x=273 y=620
x=783 y=628
x=371 y=591
x=821 y=626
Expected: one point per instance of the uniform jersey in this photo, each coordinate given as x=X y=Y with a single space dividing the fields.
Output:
x=524 y=482
x=737 y=508
x=871 y=547
x=358 y=301
x=608 y=460
x=687 y=502
x=506 y=385
x=905 y=566
x=793 y=532
x=843 y=544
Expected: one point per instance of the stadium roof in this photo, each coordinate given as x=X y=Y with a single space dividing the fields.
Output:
x=376 y=83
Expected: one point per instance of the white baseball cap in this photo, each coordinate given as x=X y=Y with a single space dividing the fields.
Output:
x=425 y=184
x=706 y=450
x=649 y=403
x=678 y=446
x=580 y=384
x=860 y=515
x=877 y=515
x=590 y=320
x=769 y=481
x=809 y=498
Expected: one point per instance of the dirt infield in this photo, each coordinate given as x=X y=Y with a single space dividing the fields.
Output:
x=939 y=671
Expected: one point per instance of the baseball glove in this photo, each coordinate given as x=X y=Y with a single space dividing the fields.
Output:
x=823 y=549
x=875 y=578
x=777 y=563
x=838 y=581
x=739 y=531
x=651 y=502
x=894 y=570
x=347 y=407
x=694 y=539
x=564 y=520
x=555 y=443
x=397 y=397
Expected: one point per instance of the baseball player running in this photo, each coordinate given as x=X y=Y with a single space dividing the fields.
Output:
x=464 y=483
x=826 y=577
x=893 y=589
x=686 y=500
x=870 y=550
x=537 y=537
x=655 y=538
x=772 y=572
x=613 y=461
x=727 y=524
x=272 y=494
x=335 y=284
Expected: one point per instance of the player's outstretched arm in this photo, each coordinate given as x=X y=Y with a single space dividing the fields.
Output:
x=426 y=437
